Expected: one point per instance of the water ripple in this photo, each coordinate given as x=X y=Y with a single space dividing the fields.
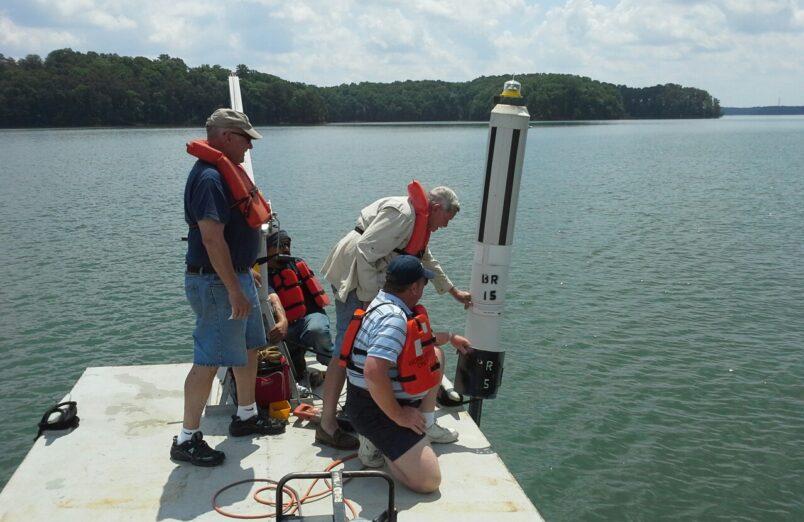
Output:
x=653 y=324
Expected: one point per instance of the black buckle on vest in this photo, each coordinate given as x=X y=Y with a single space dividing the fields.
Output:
x=67 y=418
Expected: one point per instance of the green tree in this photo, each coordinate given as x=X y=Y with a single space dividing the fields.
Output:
x=70 y=88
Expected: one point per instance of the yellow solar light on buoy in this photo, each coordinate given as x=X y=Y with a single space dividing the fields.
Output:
x=512 y=89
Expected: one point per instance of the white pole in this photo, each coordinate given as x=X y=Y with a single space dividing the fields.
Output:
x=237 y=104
x=267 y=311
x=479 y=374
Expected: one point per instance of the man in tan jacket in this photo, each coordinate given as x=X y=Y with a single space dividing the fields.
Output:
x=356 y=268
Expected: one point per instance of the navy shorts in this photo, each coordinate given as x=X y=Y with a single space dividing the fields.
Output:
x=369 y=420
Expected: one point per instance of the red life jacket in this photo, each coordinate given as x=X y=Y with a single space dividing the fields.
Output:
x=417 y=244
x=247 y=198
x=417 y=366
x=291 y=283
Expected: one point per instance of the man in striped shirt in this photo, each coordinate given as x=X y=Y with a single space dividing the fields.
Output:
x=395 y=426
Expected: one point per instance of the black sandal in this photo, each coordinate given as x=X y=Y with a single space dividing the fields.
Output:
x=338 y=440
x=445 y=401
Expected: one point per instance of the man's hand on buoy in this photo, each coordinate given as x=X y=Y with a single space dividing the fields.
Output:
x=461 y=343
x=461 y=296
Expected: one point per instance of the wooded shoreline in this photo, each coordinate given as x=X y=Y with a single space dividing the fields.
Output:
x=73 y=89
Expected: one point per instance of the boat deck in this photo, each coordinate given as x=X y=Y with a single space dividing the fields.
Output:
x=116 y=466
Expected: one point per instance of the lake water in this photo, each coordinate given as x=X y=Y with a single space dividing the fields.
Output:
x=654 y=326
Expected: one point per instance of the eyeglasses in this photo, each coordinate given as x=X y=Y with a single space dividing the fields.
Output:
x=246 y=136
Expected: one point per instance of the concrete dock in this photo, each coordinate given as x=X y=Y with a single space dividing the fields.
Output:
x=116 y=465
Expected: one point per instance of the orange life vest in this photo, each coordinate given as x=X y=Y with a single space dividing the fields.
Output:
x=247 y=198
x=291 y=283
x=417 y=245
x=417 y=365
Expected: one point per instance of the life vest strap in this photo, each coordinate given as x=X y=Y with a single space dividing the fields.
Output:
x=420 y=237
x=348 y=344
x=247 y=197
x=292 y=306
x=409 y=378
x=424 y=354
x=399 y=378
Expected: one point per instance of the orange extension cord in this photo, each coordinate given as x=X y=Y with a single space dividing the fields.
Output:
x=295 y=502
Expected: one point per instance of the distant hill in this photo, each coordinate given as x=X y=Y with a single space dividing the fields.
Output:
x=771 y=110
x=73 y=89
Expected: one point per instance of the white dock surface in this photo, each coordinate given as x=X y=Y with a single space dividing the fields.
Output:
x=116 y=465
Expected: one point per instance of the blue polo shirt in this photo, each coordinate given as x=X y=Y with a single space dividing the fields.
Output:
x=206 y=196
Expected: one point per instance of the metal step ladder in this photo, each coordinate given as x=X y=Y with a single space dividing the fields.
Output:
x=228 y=388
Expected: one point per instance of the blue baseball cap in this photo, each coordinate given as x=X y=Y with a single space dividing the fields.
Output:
x=405 y=269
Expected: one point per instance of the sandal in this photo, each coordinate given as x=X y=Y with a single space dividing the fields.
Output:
x=449 y=399
x=338 y=440
x=316 y=378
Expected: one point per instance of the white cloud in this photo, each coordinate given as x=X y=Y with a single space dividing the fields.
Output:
x=182 y=26
x=692 y=43
x=718 y=45
x=104 y=15
x=296 y=13
x=756 y=7
x=67 y=8
x=32 y=40
x=110 y=22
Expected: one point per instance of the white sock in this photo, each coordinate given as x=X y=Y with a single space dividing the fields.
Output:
x=429 y=418
x=185 y=435
x=247 y=412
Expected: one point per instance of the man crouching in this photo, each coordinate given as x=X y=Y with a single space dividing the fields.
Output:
x=394 y=370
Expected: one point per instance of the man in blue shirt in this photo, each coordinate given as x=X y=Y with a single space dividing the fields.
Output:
x=221 y=290
x=394 y=425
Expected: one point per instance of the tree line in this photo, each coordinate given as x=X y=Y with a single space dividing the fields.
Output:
x=767 y=110
x=74 y=89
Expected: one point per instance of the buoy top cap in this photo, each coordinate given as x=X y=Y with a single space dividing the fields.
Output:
x=512 y=88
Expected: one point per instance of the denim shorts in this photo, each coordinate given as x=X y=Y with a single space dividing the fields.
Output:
x=218 y=340
x=370 y=421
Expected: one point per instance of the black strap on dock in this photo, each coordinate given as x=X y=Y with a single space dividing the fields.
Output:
x=67 y=418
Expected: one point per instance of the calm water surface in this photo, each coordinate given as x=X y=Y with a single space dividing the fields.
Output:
x=654 y=323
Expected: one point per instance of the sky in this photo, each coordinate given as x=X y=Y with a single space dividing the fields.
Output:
x=743 y=52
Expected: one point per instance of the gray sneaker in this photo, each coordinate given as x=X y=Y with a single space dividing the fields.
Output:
x=304 y=391
x=441 y=435
x=368 y=454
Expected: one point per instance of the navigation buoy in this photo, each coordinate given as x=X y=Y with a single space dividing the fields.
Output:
x=479 y=373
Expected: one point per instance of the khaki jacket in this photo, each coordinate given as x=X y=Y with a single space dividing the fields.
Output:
x=358 y=261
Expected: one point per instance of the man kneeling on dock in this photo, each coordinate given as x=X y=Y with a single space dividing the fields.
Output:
x=394 y=371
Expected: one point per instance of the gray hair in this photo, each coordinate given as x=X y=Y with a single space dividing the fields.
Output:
x=445 y=197
x=215 y=132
